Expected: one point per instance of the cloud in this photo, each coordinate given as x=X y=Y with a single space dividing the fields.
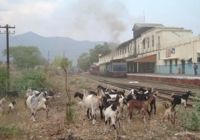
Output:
x=106 y=16
x=80 y=19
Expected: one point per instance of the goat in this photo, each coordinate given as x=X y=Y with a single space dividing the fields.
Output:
x=31 y=92
x=134 y=94
x=91 y=102
x=36 y=102
x=170 y=114
x=141 y=106
x=11 y=106
x=180 y=99
x=111 y=113
x=109 y=97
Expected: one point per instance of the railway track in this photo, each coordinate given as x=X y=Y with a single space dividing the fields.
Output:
x=164 y=94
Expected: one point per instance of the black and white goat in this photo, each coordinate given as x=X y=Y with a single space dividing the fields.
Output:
x=180 y=99
x=91 y=102
x=108 y=96
x=112 y=112
x=11 y=106
x=31 y=92
x=36 y=102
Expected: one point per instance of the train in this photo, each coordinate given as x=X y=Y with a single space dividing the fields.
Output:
x=112 y=69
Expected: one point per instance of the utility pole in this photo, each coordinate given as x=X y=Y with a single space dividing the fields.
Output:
x=7 y=27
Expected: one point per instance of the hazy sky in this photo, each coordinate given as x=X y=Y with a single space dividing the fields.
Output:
x=99 y=20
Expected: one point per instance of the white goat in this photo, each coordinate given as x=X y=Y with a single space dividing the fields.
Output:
x=30 y=92
x=91 y=102
x=35 y=103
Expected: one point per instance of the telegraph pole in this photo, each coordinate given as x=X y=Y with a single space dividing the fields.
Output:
x=7 y=27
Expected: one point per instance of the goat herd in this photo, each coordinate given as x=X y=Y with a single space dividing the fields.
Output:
x=35 y=101
x=111 y=103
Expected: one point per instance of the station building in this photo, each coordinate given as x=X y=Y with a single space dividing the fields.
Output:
x=155 y=48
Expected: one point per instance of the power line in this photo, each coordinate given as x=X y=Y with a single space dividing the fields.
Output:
x=7 y=27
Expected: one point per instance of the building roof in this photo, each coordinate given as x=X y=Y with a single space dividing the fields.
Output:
x=140 y=28
x=144 y=25
x=124 y=44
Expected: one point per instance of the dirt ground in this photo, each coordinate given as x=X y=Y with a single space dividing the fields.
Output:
x=56 y=128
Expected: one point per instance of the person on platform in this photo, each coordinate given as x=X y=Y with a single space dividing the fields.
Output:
x=195 y=66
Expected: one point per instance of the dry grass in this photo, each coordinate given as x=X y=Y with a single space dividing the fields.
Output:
x=55 y=128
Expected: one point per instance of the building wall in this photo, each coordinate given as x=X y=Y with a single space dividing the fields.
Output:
x=171 y=45
x=186 y=51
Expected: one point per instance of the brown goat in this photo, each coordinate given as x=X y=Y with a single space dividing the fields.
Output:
x=170 y=114
x=141 y=106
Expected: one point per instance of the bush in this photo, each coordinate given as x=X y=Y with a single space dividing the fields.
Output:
x=3 y=81
x=191 y=120
x=35 y=79
x=9 y=130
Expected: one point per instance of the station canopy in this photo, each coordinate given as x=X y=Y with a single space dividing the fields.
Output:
x=146 y=59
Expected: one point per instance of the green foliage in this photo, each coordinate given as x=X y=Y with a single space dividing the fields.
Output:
x=86 y=59
x=98 y=50
x=70 y=112
x=62 y=62
x=9 y=130
x=26 y=57
x=65 y=63
x=34 y=79
x=191 y=120
x=3 y=81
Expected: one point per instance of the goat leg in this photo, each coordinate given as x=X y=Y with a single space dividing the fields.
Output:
x=33 y=114
x=47 y=113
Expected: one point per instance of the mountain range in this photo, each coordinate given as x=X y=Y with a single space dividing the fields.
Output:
x=49 y=46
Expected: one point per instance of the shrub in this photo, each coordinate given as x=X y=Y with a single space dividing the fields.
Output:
x=34 y=79
x=3 y=81
x=191 y=120
x=9 y=131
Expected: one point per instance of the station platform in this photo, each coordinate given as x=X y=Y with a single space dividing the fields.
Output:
x=176 y=79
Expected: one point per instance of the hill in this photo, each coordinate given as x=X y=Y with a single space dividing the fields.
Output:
x=55 y=46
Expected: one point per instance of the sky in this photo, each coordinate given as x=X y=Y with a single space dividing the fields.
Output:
x=97 y=20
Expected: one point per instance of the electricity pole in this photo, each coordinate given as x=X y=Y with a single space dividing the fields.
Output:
x=7 y=27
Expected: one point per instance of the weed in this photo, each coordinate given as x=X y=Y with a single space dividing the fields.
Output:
x=9 y=131
x=191 y=120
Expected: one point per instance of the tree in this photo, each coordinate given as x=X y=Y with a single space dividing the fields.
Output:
x=58 y=60
x=23 y=56
x=99 y=49
x=84 y=61
x=3 y=81
x=65 y=64
x=87 y=59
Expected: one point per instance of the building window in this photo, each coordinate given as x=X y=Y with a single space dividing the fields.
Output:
x=158 y=42
x=165 y=62
x=152 y=40
x=148 y=42
x=198 y=59
x=176 y=62
x=158 y=55
x=143 y=42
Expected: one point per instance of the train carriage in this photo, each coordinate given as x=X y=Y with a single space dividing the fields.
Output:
x=114 y=69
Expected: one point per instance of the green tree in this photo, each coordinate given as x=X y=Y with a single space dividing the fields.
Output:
x=58 y=60
x=23 y=56
x=3 y=81
x=84 y=61
x=99 y=49
x=65 y=64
